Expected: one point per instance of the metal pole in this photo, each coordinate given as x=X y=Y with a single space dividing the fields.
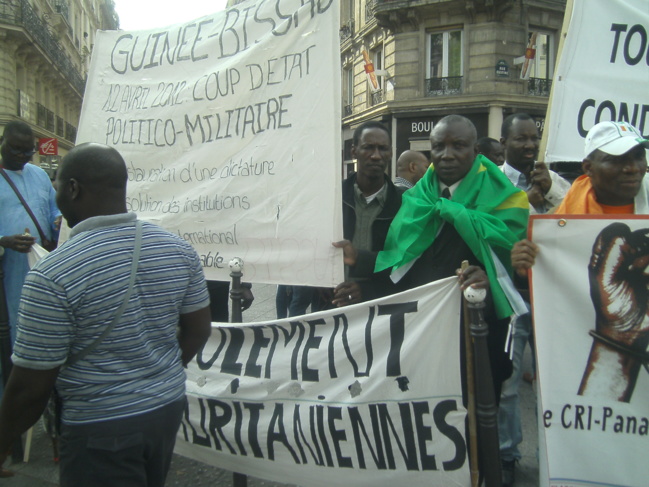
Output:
x=5 y=350
x=236 y=292
x=236 y=295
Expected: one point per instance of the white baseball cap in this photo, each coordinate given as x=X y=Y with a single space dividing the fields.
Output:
x=615 y=138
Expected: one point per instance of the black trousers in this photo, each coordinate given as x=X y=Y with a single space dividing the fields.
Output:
x=129 y=452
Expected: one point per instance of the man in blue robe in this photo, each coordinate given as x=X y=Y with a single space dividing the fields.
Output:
x=17 y=229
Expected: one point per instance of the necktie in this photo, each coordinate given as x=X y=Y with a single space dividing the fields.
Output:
x=446 y=193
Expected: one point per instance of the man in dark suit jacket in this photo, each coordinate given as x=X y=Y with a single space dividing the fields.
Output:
x=464 y=208
x=370 y=203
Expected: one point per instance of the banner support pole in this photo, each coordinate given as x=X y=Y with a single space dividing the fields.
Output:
x=567 y=16
x=236 y=295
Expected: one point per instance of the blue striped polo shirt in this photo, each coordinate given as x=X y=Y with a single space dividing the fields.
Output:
x=71 y=296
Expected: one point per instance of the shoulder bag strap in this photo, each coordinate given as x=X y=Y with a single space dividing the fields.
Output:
x=136 y=257
x=22 y=200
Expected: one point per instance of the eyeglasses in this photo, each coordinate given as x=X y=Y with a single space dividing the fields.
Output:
x=21 y=152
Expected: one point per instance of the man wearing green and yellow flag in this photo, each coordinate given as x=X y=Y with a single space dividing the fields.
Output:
x=464 y=208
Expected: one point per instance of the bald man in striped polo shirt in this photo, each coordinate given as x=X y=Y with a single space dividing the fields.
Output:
x=111 y=318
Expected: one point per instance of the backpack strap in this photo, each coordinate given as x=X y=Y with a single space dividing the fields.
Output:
x=136 y=257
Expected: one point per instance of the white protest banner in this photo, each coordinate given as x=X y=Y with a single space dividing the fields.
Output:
x=603 y=74
x=591 y=320
x=368 y=394
x=230 y=128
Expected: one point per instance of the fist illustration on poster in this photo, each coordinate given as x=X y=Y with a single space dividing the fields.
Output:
x=619 y=279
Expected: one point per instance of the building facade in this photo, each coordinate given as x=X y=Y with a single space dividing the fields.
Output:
x=433 y=58
x=45 y=48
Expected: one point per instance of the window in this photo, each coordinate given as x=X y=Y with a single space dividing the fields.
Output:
x=445 y=63
x=21 y=77
x=347 y=10
x=346 y=19
x=445 y=56
x=378 y=60
x=543 y=64
x=348 y=91
x=24 y=110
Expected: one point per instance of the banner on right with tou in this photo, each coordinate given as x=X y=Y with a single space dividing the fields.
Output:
x=602 y=74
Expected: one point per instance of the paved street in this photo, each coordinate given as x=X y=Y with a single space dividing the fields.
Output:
x=40 y=470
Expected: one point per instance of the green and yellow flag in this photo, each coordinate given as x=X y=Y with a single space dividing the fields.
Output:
x=486 y=209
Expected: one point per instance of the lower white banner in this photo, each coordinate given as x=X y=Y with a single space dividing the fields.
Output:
x=368 y=394
x=590 y=296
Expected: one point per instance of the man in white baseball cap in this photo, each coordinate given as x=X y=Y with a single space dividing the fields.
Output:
x=614 y=165
x=613 y=182
x=615 y=138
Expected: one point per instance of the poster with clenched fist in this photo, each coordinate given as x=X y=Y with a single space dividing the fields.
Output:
x=590 y=301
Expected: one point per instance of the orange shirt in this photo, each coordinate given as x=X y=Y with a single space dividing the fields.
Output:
x=581 y=200
x=618 y=210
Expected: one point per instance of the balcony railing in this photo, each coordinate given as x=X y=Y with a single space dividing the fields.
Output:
x=61 y=7
x=369 y=11
x=347 y=30
x=539 y=86
x=60 y=126
x=444 y=86
x=70 y=132
x=46 y=119
x=377 y=97
x=21 y=13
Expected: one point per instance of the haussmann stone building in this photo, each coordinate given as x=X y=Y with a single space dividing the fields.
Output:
x=45 y=48
x=433 y=58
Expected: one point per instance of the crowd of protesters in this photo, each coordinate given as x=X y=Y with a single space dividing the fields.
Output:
x=120 y=280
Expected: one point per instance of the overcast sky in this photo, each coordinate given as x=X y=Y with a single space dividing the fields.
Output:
x=149 y=14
